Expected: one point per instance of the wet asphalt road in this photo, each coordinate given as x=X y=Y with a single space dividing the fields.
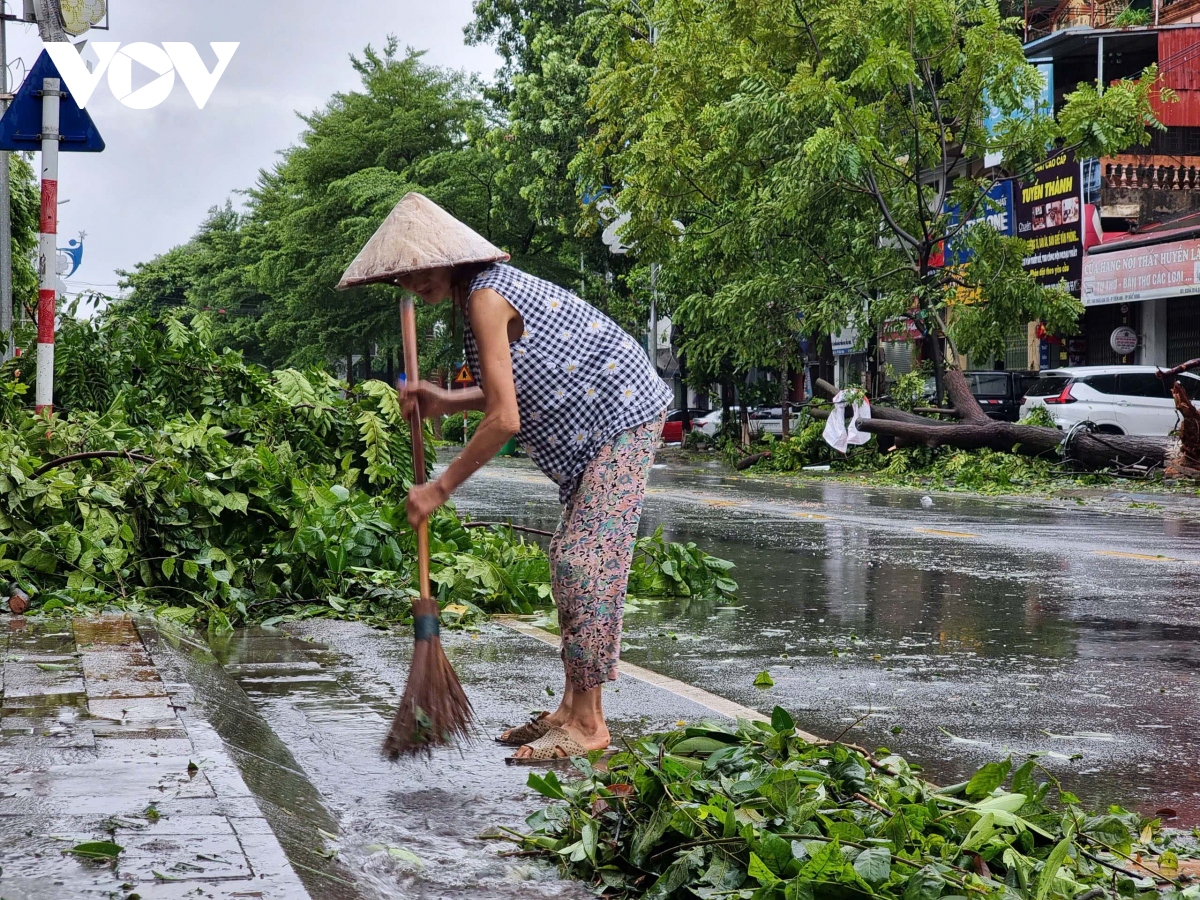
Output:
x=953 y=634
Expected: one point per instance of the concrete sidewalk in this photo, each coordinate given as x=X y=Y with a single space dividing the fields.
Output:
x=251 y=768
x=96 y=746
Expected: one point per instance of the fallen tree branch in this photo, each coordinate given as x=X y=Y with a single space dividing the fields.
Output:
x=525 y=528
x=975 y=430
x=1180 y=369
x=885 y=413
x=95 y=454
x=934 y=411
x=751 y=460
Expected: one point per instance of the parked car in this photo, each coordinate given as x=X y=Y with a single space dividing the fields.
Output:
x=710 y=423
x=769 y=420
x=1117 y=399
x=673 y=429
x=763 y=420
x=999 y=393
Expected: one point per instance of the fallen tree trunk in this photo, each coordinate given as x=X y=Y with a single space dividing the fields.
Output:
x=974 y=430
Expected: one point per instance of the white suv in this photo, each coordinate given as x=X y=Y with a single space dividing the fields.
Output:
x=1117 y=399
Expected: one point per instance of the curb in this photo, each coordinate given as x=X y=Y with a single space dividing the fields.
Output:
x=719 y=705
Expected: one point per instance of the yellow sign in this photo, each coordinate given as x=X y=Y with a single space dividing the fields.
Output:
x=962 y=294
x=464 y=376
x=80 y=15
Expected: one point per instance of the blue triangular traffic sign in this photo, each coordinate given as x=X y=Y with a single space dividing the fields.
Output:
x=21 y=126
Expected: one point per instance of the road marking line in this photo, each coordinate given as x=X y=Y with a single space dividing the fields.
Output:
x=1146 y=556
x=721 y=503
x=809 y=516
x=957 y=534
x=719 y=705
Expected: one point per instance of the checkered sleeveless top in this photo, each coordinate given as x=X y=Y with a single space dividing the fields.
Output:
x=581 y=379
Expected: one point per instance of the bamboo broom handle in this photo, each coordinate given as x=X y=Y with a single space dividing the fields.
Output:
x=412 y=375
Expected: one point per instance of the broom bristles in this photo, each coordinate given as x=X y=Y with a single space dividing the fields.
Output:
x=434 y=711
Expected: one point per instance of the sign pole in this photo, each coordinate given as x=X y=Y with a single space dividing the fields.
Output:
x=48 y=254
x=462 y=380
x=6 y=292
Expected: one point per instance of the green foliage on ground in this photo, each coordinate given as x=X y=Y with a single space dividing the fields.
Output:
x=944 y=468
x=179 y=479
x=665 y=569
x=757 y=813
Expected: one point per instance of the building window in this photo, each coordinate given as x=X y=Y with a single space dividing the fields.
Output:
x=1091 y=180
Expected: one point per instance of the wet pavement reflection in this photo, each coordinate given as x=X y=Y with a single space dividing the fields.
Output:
x=953 y=633
x=325 y=692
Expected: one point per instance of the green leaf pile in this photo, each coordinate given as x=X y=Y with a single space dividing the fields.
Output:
x=177 y=478
x=754 y=812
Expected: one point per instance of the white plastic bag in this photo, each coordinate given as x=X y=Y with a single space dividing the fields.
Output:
x=838 y=434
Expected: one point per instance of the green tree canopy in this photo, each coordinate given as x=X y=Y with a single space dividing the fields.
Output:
x=814 y=150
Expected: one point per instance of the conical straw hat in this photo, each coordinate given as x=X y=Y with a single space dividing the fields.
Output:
x=418 y=234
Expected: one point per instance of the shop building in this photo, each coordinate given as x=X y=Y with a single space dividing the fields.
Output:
x=1119 y=232
x=1141 y=208
x=1147 y=281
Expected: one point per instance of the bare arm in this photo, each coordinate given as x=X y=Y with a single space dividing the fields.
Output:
x=490 y=317
x=462 y=401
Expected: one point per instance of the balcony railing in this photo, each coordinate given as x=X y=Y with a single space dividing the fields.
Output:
x=1181 y=175
x=1171 y=11
x=1043 y=17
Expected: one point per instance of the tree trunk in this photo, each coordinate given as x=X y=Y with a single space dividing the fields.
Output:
x=825 y=360
x=974 y=430
x=875 y=374
x=350 y=370
x=785 y=384
x=1186 y=462
x=933 y=351
x=726 y=403
x=687 y=412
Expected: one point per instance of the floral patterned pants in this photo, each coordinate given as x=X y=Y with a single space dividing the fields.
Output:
x=592 y=551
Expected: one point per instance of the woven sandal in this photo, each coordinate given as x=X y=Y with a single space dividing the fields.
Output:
x=554 y=744
x=524 y=734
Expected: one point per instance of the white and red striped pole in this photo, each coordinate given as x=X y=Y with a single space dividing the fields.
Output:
x=48 y=254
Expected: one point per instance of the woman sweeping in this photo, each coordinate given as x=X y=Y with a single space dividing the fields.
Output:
x=582 y=400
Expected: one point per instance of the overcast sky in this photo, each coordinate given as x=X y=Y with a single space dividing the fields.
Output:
x=163 y=168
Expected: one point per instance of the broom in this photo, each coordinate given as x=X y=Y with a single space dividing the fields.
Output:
x=434 y=711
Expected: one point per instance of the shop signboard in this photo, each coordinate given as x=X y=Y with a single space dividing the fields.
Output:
x=1142 y=273
x=996 y=211
x=1048 y=215
x=1043 y=105
x=845 y=341
x=899 y=328
x=1123 y=340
